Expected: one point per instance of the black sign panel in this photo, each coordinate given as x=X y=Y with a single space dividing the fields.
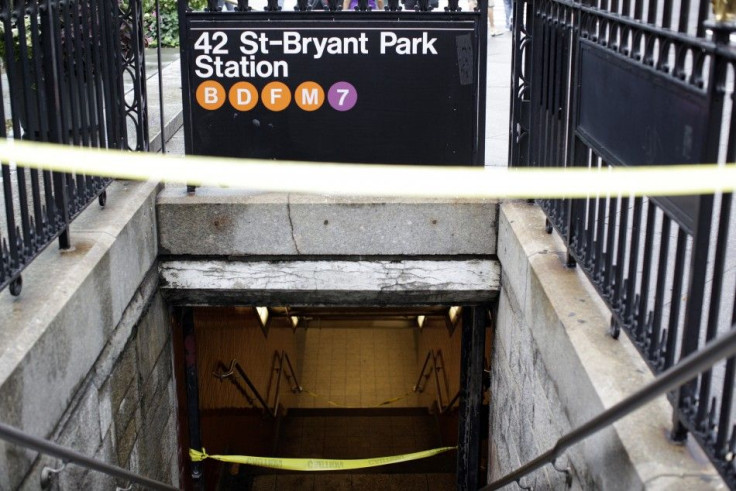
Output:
x=325 y=87
x=634 y=116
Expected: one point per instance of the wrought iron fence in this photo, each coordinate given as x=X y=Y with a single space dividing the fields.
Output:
x=64 y=67
x=606 y=83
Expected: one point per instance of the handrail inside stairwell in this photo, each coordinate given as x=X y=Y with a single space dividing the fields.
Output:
x=278 y=363
x=452 y=402
x=277 y=368
x=235 y=367
x=297 y=387
x=67 y=455
x=225 y=372
x=433 y=356
x=687 y=369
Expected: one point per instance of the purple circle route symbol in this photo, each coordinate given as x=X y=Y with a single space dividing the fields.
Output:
x=342 y=96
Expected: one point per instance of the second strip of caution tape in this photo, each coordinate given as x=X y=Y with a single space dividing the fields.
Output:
x=293 y=464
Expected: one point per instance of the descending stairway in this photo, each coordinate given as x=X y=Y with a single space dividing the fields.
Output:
x=354 y=434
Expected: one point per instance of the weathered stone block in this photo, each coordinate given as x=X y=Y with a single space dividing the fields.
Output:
x=152 y=335
x=325 y=282
x=82 y=430
x=55 y=332
x=121 y=389
x=560 y=369
x=239 y=223
x=125 y=441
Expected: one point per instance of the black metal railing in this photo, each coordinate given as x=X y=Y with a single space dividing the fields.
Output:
x=602 y=84
x=434 y=368
x=224 y=372
x=671 y=379
x=65 y=68
x=280 y=368
x=67 y=455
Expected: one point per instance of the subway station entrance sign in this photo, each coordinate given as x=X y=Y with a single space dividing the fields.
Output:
x=375 y=87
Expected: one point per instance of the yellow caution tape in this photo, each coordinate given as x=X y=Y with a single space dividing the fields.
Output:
x=375 y=180
x=336 y=404
x=316 y=464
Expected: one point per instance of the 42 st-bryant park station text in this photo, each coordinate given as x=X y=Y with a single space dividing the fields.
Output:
x=214 y=59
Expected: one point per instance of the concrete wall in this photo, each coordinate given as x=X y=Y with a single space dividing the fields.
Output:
x=554 y=367
x=85 y=351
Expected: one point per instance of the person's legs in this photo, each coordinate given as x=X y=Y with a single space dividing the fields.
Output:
x=492 y=25
x=509 y=9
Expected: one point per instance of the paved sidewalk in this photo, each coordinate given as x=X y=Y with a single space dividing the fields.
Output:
x=497 y=96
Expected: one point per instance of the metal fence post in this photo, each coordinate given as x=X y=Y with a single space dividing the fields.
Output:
x=471 y=400
x=522 y=35
x=687 y=398
x=192 y=391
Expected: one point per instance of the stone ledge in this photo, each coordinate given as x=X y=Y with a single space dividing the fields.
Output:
x=330 y=282
x=53 y=333
x=229 y=222
x=591 y=371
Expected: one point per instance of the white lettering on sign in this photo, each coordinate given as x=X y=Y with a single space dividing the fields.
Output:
x=252 y=43
x=294 y=44
x=219 y=38
x=208 y=66
x=406 y=45
x=310 y=97
x=213 y=50
x=248 y=97
x=210 y=95
x=276 y=94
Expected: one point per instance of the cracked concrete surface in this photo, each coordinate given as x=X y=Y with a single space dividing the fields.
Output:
x=239 y=223
x=331 y=281
x=291 y=224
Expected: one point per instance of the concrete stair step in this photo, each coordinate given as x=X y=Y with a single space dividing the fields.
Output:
x=353 y=482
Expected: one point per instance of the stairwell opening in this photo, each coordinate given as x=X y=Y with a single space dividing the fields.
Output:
x=326 y=383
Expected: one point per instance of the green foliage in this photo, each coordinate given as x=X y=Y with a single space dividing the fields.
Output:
x=168 y=11
x=16 y=40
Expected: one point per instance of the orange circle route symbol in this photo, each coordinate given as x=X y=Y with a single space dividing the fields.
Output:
x=309 y=96
x=210 y=95
x=243 y=96
x=276 y=96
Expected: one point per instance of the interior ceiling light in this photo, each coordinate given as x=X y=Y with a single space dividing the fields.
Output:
x=453 y=314
x=263 y=316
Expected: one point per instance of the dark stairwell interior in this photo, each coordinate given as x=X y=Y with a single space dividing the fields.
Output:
x=358 y=370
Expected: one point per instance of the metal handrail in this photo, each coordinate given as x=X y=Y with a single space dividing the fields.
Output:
x=279 y=359
x=452 y=402
x=424 y=374
x=234 y=365
x=417 y=386
x=225 y=372
x=674 y=377
x=67 y=455
x=278 y=367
